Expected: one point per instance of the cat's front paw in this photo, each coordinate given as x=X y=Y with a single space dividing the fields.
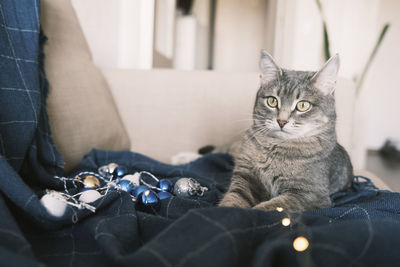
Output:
x=267 y=206
x=226 y=202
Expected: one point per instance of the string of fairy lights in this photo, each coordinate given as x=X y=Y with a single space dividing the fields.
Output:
x=300 y=243
x=145 y=189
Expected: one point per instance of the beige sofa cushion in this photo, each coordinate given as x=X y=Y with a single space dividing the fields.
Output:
x=81 y=109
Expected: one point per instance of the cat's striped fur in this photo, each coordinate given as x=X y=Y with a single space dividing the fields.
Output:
x=297 y=166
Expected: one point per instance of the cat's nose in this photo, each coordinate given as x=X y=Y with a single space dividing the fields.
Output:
x=282 y=123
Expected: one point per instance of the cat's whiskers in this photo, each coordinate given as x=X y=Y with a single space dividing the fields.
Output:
x=258 y=130
x=242 y=120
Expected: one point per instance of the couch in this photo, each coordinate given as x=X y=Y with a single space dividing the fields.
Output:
x=159 y=112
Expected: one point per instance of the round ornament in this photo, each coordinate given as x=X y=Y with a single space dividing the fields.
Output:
x=148 y=201
x=164 y=195
x=138 y=189
x=187 y=187
x=90 y=181
x=126 y=185
x=55 y=203
x=89 y=196
x=107 y=170
x=120 y=171
x=111 y=167
x=133 y=178
x=165 y=185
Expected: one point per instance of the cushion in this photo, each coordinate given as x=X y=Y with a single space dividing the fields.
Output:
x=81 y=108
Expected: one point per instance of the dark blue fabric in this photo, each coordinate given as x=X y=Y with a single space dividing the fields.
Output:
x=23 y=89
x=362 y=229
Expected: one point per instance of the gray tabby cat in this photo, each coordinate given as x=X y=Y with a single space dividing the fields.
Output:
x=290 y=158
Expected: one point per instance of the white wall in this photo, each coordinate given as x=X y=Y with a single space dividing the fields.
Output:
x=164 y=28
x=201 y=10
x=119 y=32
x=382 y=90
x=239 y=34
x=298 y=38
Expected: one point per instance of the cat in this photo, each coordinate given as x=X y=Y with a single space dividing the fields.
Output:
x=289 y=158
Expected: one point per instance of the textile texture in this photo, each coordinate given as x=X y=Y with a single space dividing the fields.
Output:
x=362 y=229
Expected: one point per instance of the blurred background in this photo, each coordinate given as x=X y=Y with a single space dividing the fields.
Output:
x=227 y=35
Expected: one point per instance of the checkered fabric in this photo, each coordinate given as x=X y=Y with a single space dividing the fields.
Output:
x=23 y=88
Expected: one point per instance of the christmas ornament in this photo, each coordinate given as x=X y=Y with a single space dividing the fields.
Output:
x=164 y=195
x=139 y=189
x=148 y=201
x=111 y=167
x=54 y=203
x=133 y=178
x=126 y=185
x=107 y=170
x=165 y=185
x=119 y=172
x=146 y=189
x=188 y=187
x=89 y=196
x=91 y=182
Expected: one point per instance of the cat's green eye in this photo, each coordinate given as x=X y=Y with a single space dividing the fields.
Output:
x=303 y=106
x=272 y=102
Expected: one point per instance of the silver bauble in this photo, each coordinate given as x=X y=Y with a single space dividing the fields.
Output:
x=187 y=187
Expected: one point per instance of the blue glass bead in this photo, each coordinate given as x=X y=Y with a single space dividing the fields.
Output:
x=164 y=195
x=120 y=171
x=148 y=201
x=165 y=185
x=126 y=185
x=139 y=189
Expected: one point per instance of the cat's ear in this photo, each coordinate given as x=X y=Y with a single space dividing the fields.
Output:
x=325 y=78
x=269 y=69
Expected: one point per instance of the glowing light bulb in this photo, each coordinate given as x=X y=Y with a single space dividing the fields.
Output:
x=279 y=209
x=147 y=192
x=300 y=243
x=285 y=221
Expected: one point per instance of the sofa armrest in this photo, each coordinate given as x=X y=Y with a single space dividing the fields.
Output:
x=378 y=182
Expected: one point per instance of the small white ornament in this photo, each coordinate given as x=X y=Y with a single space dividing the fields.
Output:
x=55 y=203
x=89 y=196
x=133 y=178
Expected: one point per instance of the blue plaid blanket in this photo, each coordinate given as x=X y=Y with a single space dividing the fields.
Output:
x=362 y=229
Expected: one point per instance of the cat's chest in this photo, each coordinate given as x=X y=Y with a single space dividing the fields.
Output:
x=272 y=162
x=272 y=170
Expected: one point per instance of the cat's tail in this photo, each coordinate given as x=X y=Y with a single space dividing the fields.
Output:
x=230 y=148
x=206 y=149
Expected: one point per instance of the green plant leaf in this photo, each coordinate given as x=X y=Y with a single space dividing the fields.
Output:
x=360 y=81
x=327 y=52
